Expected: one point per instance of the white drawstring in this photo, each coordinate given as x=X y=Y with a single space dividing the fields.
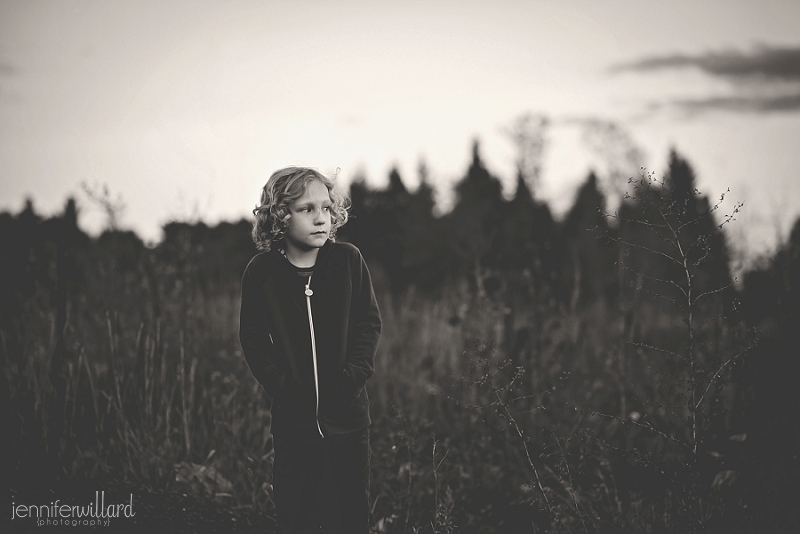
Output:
x=308 y=293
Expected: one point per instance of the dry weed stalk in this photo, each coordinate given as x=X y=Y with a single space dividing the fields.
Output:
x=683 y=239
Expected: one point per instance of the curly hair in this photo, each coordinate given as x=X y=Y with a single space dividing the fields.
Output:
x=284 y=187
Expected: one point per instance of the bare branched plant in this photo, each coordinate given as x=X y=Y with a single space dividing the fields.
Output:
x=113 y=208
x=528 y=133
x=670 y=250
x=502 y=398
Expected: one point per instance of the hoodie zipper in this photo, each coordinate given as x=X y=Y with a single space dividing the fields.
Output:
x=308 y=293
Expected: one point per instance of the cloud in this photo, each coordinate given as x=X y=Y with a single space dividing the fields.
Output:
x=766 y=80
x=769 y=63
x=753 y=104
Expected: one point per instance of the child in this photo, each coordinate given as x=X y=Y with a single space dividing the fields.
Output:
x=309 y=329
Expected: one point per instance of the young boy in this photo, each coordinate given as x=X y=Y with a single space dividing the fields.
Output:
x=309 y=329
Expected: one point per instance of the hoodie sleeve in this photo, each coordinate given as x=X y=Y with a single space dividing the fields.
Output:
x=367 y=327
x=254 y=336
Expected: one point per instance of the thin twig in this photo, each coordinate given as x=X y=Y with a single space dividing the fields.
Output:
x=719 y=371
x=647 y=427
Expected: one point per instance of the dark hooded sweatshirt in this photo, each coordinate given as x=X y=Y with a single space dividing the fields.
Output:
x=317 y=377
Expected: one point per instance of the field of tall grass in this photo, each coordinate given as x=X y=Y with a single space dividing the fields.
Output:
x=487 y=417
x=496 y=405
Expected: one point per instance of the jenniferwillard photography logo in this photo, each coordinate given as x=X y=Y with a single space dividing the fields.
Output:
x=93 y=514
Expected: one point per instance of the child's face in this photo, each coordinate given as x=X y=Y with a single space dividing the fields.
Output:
x=310 y=221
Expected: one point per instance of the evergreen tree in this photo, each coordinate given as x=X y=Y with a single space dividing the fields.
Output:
x=358 y=228
x=423 y=237
x=389 y=240
x=681 y=210
x=475 y=221
x=519 y=228
x=706 y=241
x=589 y=261
x=767 y=402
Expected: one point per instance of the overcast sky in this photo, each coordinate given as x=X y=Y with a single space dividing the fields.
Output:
x=184 y=108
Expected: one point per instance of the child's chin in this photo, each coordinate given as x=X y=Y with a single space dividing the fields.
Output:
x=317 y=242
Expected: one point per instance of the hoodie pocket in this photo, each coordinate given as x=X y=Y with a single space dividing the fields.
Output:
x=344 y=401
x=360 y=401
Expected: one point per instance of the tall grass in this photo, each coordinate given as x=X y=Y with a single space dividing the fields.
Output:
x=493 y=412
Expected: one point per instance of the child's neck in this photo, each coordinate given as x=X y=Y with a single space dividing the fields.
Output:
x=301 y=258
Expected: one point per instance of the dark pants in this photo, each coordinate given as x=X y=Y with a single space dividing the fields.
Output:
x=322 y=483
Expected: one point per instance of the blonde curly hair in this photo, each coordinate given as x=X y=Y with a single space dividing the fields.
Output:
x=284 y=187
